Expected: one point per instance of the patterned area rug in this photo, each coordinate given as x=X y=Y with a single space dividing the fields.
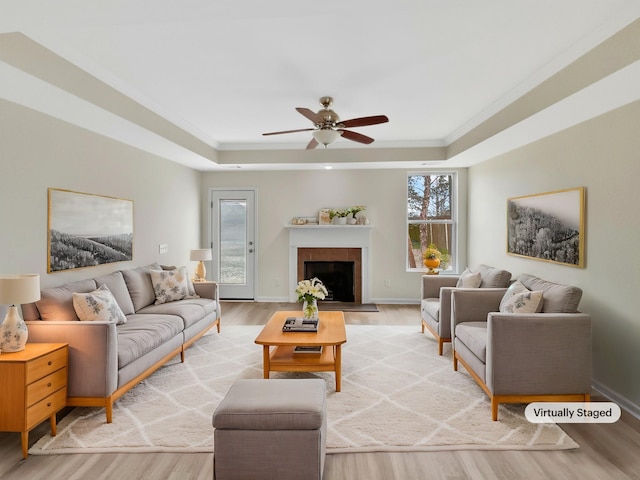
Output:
x=397 y=395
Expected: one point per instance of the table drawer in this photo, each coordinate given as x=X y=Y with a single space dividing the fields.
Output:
x=46 y=386
x=46 y=407
x=46 y=364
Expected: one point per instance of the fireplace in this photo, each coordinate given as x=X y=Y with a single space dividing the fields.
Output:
x=337 y=277
x=338 y=268
x=341 y=255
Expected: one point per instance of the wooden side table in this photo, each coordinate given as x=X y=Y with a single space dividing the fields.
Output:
x=33 y=387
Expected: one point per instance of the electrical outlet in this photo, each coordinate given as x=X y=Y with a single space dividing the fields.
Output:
x=163 y=248
x=387 y=282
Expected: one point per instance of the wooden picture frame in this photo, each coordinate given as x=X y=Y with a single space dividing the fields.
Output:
x=548 y=226
x=86 y=230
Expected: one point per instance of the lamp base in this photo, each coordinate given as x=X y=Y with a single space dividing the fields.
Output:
x=13 y=332
x=201 y=272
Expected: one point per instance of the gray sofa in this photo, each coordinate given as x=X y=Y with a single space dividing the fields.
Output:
x=108 y=359
x=435 y=305
x=526 y=346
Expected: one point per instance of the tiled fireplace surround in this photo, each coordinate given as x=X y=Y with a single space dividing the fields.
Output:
x=330 y=243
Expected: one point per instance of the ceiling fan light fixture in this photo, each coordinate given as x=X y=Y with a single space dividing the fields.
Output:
x=325 y=136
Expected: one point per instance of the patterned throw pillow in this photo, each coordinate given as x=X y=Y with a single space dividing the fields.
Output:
x=468 y=279
x=170 y=285
x=523 y=302
x=515 y=287
x=99 y=305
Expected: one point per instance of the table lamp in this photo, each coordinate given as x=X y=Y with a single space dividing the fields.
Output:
x=201 y=255
x=15 y=290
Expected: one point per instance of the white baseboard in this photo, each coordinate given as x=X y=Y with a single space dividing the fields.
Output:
x=623 y=402
x=382 y=301
x=396 y=301
x=272 y=299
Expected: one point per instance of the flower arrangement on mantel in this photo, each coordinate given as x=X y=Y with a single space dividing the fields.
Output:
x=309 y=292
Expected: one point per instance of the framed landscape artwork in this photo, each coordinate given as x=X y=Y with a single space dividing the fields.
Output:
x=548 y=226
x=86 y=230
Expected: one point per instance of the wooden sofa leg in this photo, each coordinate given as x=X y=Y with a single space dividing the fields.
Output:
x=455 y=362
x=440 y=346
x=494 y=409
x=422 y=325
x=109 y=409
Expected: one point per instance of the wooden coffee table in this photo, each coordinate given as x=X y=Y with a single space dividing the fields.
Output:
x=331 y=335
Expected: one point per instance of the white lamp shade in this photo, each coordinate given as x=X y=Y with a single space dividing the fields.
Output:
x=325 y=136
x=18 y=289
x=201 y=255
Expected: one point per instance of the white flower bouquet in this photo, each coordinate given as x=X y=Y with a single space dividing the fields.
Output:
x=310 y=290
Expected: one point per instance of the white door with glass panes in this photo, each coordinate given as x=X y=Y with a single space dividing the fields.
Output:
x=233 y=242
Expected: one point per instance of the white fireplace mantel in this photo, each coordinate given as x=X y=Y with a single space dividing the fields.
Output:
x=329 y=236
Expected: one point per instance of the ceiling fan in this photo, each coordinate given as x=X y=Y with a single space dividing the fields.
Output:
x=327 y=126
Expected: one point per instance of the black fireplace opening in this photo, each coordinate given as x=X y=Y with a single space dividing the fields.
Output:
x=338 y=277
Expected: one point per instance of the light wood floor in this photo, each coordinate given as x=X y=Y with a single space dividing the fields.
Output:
x=610 y=451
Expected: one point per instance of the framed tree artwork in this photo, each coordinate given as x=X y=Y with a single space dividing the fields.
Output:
x=86 y=230
x=548 y=226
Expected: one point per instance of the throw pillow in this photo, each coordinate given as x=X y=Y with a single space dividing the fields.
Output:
x=192 y=290
x=170 y=285
x=99 y=305
x=523 y=302
x=515 y=287
x=468 y=279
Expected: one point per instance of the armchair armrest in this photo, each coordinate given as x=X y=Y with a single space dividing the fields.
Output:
x=474 y=304
x=93 y=353
x=431 y=284
x=541 y=353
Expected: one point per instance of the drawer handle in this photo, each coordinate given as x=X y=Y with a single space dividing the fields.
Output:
x=49 y=404
x=50 y=363
x=49 y=384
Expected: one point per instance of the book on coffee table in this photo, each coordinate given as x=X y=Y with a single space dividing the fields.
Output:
x=317 y=349
x=299 y=324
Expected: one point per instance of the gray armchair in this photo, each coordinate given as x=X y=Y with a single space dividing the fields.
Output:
x=435 y=298
x=524 y=357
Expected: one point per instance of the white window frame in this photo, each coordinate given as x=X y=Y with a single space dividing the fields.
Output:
x=453 y=221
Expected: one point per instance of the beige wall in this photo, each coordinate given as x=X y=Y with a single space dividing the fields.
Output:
x=282 y=195
x=603 y=156
x=38 y=152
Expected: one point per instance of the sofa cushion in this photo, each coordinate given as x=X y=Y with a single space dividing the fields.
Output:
x=431 y=306
x=139 y=284
x=115 y=282
x=99 y=305
x=57 y=303
x=474 y=336
x=469 y=279
x=189 y=312
x=170 y=285
x=493 y=277
x=139 y=336
x=523 y=302
x=557 y=298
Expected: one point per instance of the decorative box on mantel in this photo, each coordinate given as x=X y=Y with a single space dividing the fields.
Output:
x=331 y=243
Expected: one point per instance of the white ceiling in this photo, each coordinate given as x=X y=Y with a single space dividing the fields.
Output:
x=225 y=71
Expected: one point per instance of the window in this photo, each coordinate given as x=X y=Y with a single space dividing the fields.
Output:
x=431 y=217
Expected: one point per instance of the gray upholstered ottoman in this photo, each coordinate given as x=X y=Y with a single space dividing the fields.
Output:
x=271 y=429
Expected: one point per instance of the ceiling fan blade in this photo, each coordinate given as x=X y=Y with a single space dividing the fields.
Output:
x=310 y=114
x=312 y=144
x=364 y=121
x=289 y=131
x=356 y=137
